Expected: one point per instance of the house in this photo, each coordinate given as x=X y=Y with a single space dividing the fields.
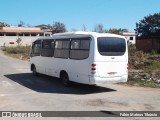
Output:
x=46 y=28
x=9 y=35
x=130 y=36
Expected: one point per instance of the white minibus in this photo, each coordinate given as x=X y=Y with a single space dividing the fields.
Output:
x=82 y=57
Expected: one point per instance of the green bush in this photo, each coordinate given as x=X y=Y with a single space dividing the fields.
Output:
x=136 y=58
x=17 y=50
x=154 y=52
x=151 y=65
x=132 y=47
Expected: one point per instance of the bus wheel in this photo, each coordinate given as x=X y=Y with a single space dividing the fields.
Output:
x=34 y=71
x=65 y=79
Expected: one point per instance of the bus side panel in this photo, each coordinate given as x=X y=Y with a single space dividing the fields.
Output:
x=78 y=71
x=37 y=61
x=58 y=65
x=47 y=65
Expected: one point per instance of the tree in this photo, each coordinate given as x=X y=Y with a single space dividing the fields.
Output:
x=59 y=27
x=45 y=27
x=99 y=28
x=124 y=30
x=149 y=26
x=18 y=41
x=21 y=24
x=117 y=31
x=84 y=28
x=3 y=24
x=114 y=31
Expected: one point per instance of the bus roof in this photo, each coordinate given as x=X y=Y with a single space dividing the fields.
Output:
x=83 y=33
x=80 y=34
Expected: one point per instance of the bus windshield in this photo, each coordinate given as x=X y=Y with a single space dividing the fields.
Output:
x=111 y=46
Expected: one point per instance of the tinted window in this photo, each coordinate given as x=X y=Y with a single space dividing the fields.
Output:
x=80 y=44
x=66 y=44
x=47 y=48
x=85 y=44
x=111 y=46
x=80 y=48
x=36 y=48
x=75 y=44
x=58 y=44
x=62 y=48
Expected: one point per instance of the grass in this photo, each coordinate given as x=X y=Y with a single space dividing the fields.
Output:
x=151 y=65
x=143 y=83
x=148 y=62
x=144 y=61
x=19 y=52
x=146 y=83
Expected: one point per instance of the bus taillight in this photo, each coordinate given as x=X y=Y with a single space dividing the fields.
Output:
x=93 y=65
x=93 y=68
x=127 y=66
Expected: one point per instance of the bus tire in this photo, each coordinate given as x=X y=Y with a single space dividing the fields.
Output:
x=34 y=71
x=65 y=79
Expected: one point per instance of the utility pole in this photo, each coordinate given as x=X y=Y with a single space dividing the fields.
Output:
x=84 y=28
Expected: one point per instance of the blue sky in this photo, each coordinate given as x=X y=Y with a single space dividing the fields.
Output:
x=76 y=13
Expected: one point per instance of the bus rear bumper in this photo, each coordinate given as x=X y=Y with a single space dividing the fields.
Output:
x=98 y=80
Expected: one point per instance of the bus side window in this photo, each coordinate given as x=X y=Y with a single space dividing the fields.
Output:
x=47 y=48
x=62 y=48
x=80 y=49
x=36 y=48
x=75 y=44
x=85 y=44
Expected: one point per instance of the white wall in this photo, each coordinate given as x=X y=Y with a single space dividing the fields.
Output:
x=20 y=28
x=131 y=41
x=26 y=40
x=128 y=35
